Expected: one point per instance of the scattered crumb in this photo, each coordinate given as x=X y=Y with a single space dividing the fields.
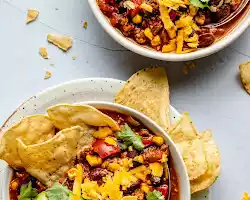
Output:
x=85 y=25
x=52 y=65
x=31 y=15
x=62 y=42
x=56 y=9
x=73 y=57
x=47 y=75
x=245 y=75
x=245 y=196
x=188 y=65
x=43 y=52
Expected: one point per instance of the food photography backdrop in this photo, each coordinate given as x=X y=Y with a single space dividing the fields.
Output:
x=209 y=88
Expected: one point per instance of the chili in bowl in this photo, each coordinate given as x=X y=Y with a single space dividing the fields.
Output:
x=120 y=154
x=169 y=29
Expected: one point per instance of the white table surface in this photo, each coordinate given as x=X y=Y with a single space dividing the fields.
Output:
x=211 y=92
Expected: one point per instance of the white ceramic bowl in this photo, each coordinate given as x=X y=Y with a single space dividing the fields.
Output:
x=177 y=160
x=238 y=29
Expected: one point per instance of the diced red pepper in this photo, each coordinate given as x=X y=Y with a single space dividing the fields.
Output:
x=106 y=8
x=147 y=141
x=114 y=19
x=105 y=150
x=135 y=11
x=138 y=2
x=164 y=190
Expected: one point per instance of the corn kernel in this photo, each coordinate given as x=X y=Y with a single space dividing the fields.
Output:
x=146 y=7
x=193 y=44
x=156 y=41
x=102 y=132
x=158 y=140
x=72 y=173
x=114 y=167
x=156 y=169
x=145 y=188
x=139 y=159
x=148 y=33
x=14 y=185
x=164 y=158
x=200 y=20
x=94 y=160
x=137 y=19
x=110 y=141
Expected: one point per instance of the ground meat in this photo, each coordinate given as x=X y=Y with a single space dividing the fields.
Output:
x=164 y=36
x=139 y=36
x=165 y=149
x=223 y=12
x=156 y=27
x=97 y=173
x=139 y=194
x=144 y=133
x=152 y=154
x=128 y=29
x=132 y=154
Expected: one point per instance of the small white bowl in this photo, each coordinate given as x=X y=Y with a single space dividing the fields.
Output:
x=177 y=159
x=233 y=34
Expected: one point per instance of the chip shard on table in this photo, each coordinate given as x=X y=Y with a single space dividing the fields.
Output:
x=85 y=25
x=43 y=52
x=31 y=15
x=245 y=75
x=245 y=196
x=47 y=75
x=61 y=41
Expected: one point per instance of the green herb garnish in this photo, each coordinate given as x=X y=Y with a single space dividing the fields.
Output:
x=200 y=4
x=130 y=138
x=155 y=195
x=27 y=192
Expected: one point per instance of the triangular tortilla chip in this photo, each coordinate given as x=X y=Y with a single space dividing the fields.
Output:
x=31 y=15
x=186 y=138
x=49 y=160
x=31 y=130
x=245 y=75
x=65 y=116
x=148 y=92
x=213 y=159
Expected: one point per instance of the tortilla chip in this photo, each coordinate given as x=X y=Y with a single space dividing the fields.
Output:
x=183 y=129
x=49 y=160
x=148 y=92
x=63 y=42
x=31 y=15
x=245 y=196
x=245 y=75
x=213 y=159
x=31 y=130
x=43 y=52
x=193 y=154
x=65 y=116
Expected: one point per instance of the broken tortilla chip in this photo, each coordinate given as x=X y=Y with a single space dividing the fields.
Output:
x=62 y=42
x=31 y=15
x=183 y=129
x=65 y=116
x=245 y=75
x=47 y=75
x=245 y=196
x=213 y=160
x=31 y=130
x=148 y=92
x=48 y=161
x=43 y=52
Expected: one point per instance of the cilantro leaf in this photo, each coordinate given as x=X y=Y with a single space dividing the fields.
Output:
x=155 y=195
x=27 y=192
x=130 y=138
x=199 y=4
x=58 y=192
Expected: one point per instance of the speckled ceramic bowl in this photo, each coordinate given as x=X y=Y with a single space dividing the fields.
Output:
x=234 y=30
x=96 y=92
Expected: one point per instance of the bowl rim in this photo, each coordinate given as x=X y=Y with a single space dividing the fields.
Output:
x=119 y=38
x=179 y=164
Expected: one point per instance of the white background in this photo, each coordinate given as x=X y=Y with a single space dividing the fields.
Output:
x=211 y=92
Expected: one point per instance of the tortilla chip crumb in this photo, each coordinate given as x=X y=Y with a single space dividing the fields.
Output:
x=47 y=75
x=245 y=196
x=245 y=75
x=85 y=25
x=73 y=57
x=62 y=42
x=31 y=15
x=52 y=65
x=185 y=69
x=187 y=66
x=43 y=52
